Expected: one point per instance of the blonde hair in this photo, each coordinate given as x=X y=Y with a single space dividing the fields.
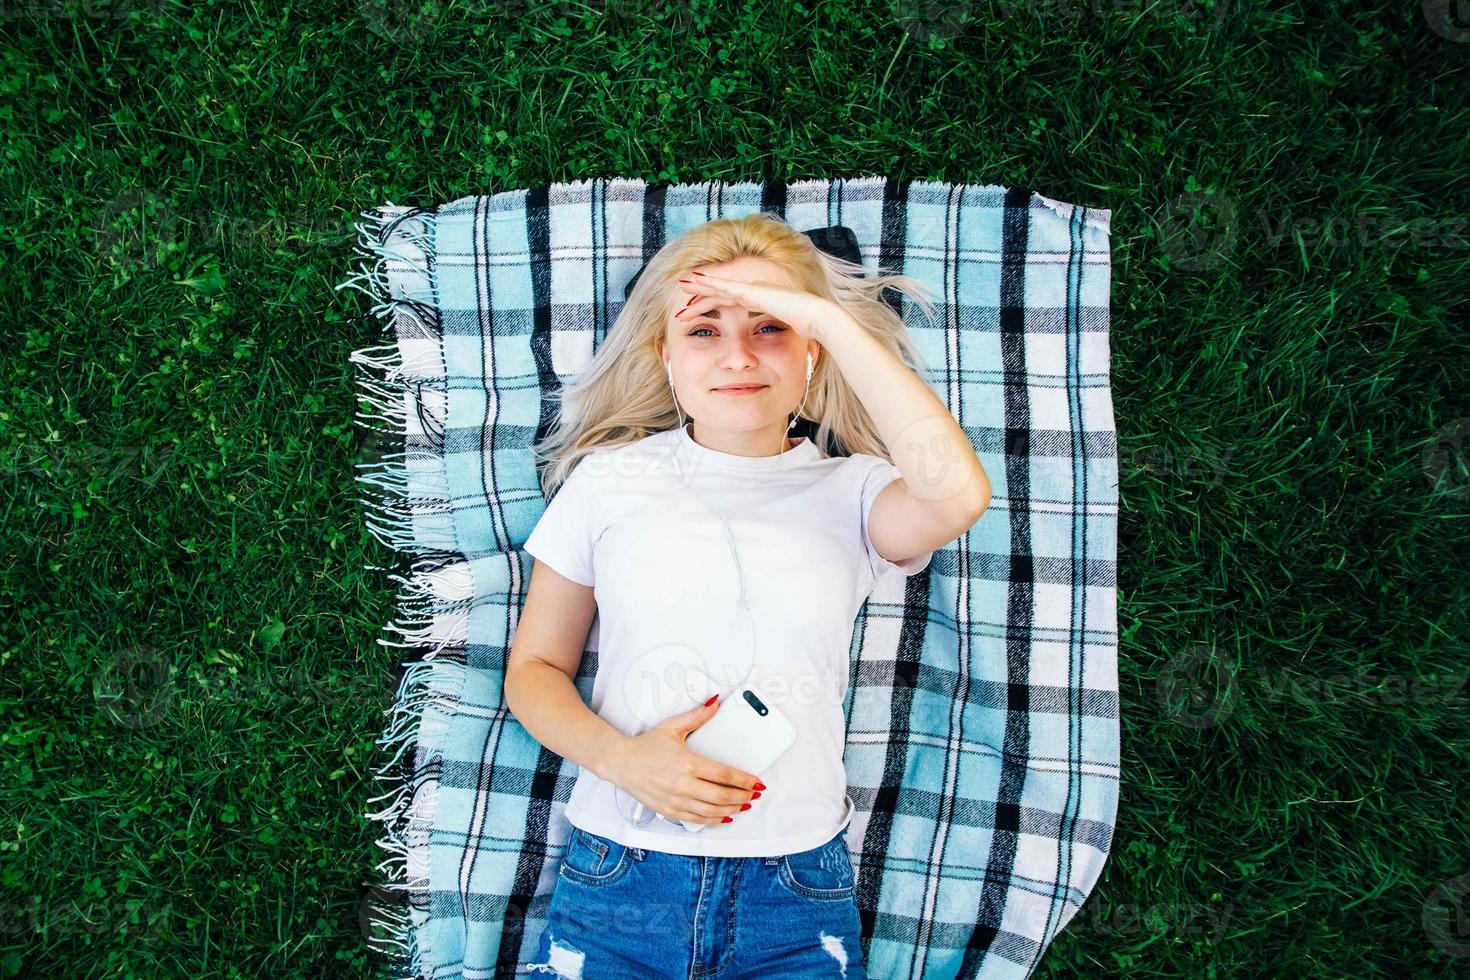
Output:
x=624 y=395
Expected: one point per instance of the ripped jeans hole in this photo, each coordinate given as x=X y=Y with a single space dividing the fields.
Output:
x=833 y=945
x=565 y=961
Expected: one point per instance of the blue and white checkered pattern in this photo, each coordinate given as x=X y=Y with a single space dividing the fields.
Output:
x=982 y=745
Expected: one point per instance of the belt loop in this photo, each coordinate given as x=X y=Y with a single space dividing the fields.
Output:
x=638 y=853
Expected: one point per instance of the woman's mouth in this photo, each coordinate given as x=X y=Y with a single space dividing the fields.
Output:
x=742 y=390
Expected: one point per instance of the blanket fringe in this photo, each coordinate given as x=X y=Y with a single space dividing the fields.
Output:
x=405 y=498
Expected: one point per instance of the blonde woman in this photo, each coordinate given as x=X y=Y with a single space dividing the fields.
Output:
x=720 y=556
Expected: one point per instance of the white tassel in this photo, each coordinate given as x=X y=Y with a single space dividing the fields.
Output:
x=407 y=510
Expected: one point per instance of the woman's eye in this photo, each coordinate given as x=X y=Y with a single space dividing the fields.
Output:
x=776 y=327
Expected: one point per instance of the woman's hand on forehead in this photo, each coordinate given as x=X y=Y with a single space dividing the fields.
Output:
x=802 y=311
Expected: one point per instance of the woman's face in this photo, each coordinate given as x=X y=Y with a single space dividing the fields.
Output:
x=727 y=345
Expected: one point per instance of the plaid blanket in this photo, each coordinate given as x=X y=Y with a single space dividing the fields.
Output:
x=981 y=825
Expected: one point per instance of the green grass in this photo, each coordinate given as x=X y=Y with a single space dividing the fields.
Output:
x=179 y=186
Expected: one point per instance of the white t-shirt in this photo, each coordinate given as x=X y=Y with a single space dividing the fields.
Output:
x=638 y=522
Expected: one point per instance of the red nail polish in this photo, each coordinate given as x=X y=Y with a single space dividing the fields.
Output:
x=690 y=281
x=760 y=785
x=711 y=700
x=745 y=806
x=691 y=301
x=756 y=796
x=727 y=820
x=699 y=273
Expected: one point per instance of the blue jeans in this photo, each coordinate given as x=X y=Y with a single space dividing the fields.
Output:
x=628 y=913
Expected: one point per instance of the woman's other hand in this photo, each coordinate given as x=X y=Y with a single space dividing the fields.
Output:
x=659 y=771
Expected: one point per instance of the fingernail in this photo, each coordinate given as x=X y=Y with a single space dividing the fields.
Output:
x=699 y=273
x=727 y=820
x=745 y=806
x=691 y=301
x=711 y=700
x=690 y=281
x=756 y=796
x=760 y=785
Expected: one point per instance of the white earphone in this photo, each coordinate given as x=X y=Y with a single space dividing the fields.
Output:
x=641 y=815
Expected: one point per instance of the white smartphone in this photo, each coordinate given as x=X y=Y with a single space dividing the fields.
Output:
x=746 y=732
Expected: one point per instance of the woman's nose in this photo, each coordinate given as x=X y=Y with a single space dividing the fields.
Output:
x=738 y=351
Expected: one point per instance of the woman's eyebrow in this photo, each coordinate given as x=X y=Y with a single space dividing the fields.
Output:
x=714 y=314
